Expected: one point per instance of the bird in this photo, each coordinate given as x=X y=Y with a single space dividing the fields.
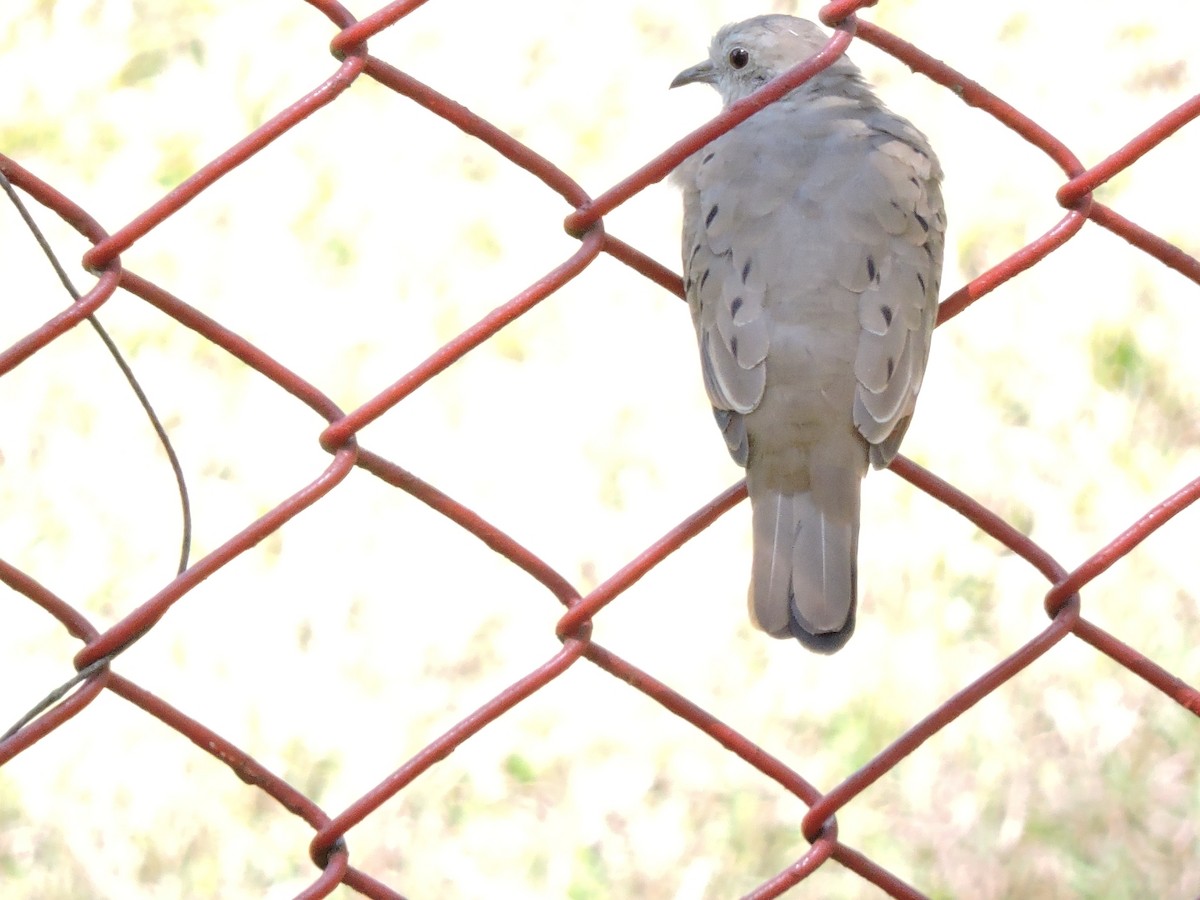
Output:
x=812 y=243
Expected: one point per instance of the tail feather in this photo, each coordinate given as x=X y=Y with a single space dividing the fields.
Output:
x=804 y=577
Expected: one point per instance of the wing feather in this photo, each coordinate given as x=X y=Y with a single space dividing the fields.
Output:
x=898 y=303
x=724 y=292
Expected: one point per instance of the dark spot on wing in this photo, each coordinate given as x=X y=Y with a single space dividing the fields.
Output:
x=891 y=367
x=871 y=270
x=921 y=281
x=704 y=278
x=695 y=250
x=921 y=221
x=712 y=214
x=735 y=306
x=745 y=271
x=733 y=346
x=887 y=314
x=707 y=158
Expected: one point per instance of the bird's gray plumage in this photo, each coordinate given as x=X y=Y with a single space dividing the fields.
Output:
x=812 y=251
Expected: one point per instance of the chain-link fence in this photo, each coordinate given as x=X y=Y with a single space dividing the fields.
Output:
x=539 y=409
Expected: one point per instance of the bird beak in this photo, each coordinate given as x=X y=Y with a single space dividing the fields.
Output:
x=701 y=72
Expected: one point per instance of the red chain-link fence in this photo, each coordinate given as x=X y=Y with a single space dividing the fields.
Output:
x=377 y=634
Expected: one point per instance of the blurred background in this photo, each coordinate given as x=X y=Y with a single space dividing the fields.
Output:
x=352 y=248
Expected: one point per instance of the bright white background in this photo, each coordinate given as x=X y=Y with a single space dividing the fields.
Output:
x=335 y=650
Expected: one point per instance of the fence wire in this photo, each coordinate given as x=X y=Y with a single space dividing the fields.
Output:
x=819 y=833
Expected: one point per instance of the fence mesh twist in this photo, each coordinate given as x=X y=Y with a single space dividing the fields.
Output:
x=137 y=629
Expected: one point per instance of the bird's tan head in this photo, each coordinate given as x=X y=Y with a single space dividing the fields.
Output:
x=746 y=55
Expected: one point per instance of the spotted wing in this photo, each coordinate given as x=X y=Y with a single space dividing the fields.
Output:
x=897 y=278
x=724 y=290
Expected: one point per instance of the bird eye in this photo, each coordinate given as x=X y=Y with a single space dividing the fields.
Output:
x=738 y=57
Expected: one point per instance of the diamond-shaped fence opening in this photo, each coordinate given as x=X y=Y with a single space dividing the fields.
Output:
x=464 y=608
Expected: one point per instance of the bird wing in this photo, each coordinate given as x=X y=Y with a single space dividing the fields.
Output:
x=897 y=277
x=724 y=290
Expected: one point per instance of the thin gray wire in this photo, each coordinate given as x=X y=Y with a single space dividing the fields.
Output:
x=185 y=504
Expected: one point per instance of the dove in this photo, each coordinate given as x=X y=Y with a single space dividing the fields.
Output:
x=812 y=253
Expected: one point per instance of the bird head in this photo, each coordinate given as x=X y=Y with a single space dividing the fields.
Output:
x=746 y=55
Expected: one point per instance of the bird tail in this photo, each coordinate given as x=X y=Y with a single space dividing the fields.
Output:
x=805 y=570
